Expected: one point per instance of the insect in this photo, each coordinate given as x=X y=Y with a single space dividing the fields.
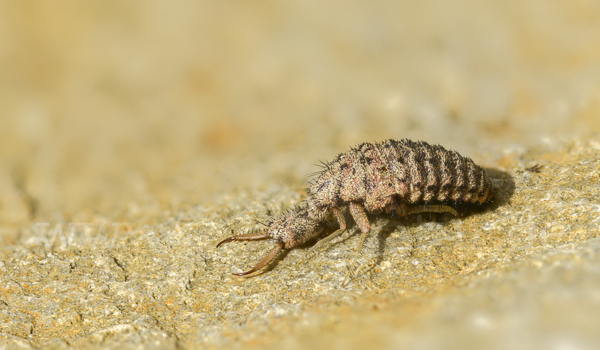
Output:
x=534 y=169
x=403 y=176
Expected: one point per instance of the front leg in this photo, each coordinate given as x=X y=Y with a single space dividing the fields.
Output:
x=323 y=242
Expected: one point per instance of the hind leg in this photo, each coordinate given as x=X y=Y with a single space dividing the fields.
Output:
x=404 y=210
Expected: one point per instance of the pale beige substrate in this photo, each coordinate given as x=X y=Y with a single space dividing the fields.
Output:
x=523 y=273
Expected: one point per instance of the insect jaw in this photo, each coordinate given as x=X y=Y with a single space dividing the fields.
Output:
x=226 y=240
x=246 y=237
x=264 y=261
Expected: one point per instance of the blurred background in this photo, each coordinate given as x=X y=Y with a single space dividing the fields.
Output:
x=121 y=109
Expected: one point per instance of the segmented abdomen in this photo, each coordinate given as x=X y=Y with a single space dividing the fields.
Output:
x=406 y=172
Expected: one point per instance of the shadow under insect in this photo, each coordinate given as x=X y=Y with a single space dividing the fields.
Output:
x=504 y=188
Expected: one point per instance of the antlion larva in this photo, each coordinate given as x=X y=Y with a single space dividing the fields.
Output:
x=403 y=176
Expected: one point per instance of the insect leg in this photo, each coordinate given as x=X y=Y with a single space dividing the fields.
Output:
x=436 y=208
x=340 y=218
x=360 y=217
x=267 y=259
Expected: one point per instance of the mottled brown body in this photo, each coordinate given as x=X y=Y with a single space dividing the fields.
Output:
x=402 y=176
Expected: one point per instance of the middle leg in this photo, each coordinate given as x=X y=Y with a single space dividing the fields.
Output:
x=360 y=217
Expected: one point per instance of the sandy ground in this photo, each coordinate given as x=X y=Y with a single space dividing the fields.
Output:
x=135 y=136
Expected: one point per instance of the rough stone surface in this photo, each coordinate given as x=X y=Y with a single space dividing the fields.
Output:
x=136 y=136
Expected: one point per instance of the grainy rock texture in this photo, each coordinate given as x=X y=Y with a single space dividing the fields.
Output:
x=135 y=136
